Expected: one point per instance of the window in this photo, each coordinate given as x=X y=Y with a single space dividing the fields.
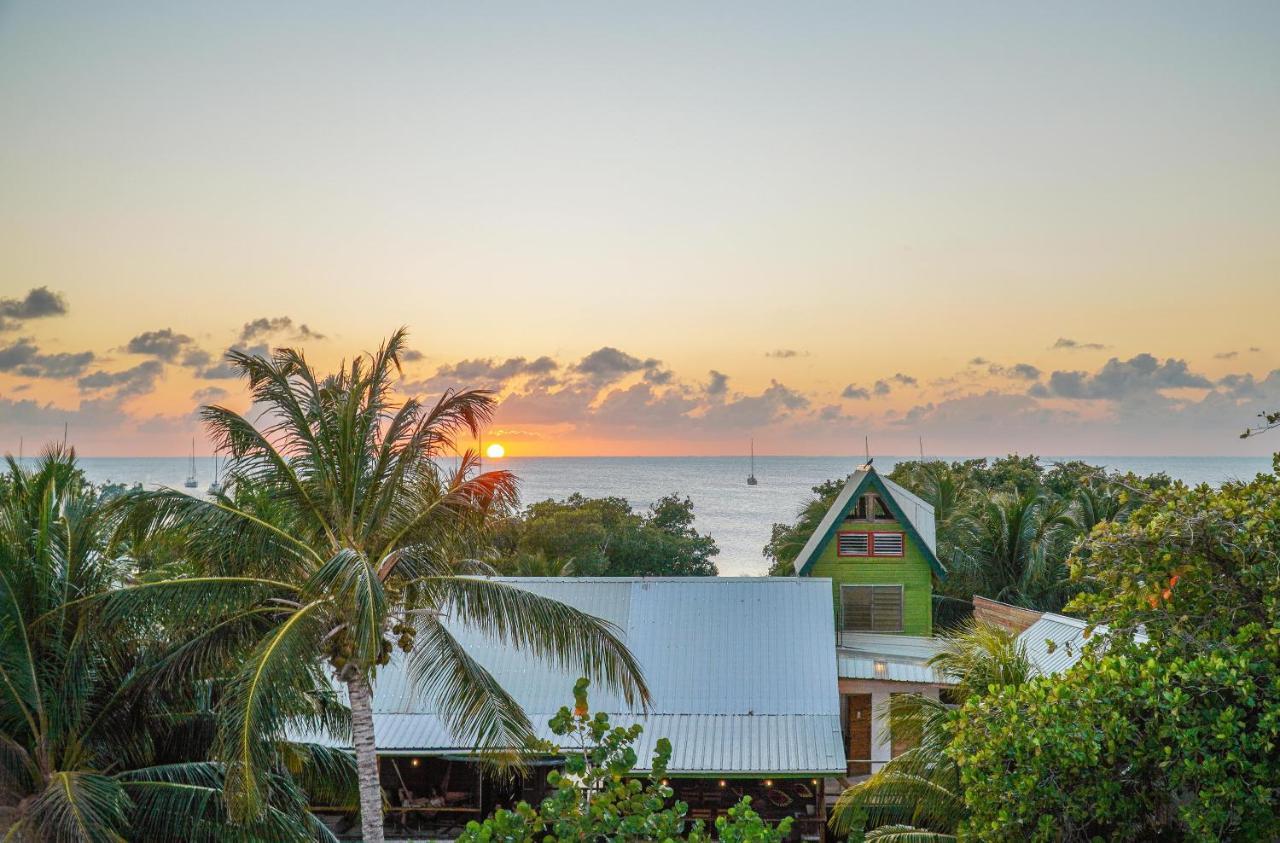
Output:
x=871 y=608
x=850 y=543
x=886 y=544
x=853 y=544
x=872 y=504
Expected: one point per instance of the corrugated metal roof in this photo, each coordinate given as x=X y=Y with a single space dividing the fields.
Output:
x=781 y=744
x=741 y=671
x=904 y=658
x=1061 y=634
x=918 y=512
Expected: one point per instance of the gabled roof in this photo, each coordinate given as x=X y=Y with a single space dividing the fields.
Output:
x=914 y=513
x=699 y=641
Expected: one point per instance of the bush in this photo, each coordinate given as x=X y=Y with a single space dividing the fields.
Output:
x=598 y=797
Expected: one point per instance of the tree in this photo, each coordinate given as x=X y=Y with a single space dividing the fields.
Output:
x=598 y=796
x=103 y=734
x=605 y=537
x=1167 y=734
x=917 y=796
x=787 y=540
x=349 y=536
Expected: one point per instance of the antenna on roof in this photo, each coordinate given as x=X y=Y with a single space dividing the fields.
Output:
x=866 y=444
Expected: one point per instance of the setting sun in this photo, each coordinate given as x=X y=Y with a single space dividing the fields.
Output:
x=495 y=451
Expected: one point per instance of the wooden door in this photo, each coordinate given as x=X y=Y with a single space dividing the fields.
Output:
x=858 y=710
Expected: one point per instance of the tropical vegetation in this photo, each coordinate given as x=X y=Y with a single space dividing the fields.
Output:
x=604 y=537
x=107 y=720
x=601 y=796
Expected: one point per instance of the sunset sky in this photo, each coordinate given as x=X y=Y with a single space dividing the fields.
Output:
x=653 y=228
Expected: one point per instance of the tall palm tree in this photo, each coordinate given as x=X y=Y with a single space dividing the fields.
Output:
x=346 y=534
x=916 y=797
x=95 y=744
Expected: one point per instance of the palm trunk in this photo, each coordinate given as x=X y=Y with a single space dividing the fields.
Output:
x=361 y=697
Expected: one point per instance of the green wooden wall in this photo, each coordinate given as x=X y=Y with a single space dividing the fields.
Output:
x=911 y=571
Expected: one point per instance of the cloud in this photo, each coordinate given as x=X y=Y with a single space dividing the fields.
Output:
x=209 y=394
x=1074 y=345
x=25 y=358
x=885 y=385
x=411 y=355
x=857 y=393
x=1140 y=375
x=1226 y=355
x=264 y=327
x=979 y=361
x=163 y=344
x=785 y=353
x=659 y=377
x=718 y=385
x=607 y=364
x=38 y=303
x=1018 y=371
x=483 y=373
x=138 y=380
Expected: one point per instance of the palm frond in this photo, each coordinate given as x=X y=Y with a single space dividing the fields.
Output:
x=258 y=701
x=80 y=807
x=474 y=705
x=541 y=626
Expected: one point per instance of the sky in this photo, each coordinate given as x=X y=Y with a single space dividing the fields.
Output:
x=658 y=228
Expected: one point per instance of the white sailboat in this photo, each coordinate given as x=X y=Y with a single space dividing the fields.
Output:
x=192 y=482
x=215 y=488
x=751 y=478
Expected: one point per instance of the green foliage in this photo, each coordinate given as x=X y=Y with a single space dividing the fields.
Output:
x=106 y=725
x=598 y=796
x=1176 y=736
x=604 y=537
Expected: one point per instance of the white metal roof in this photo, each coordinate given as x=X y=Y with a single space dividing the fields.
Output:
x=1061 y=634
x=917 y=511
x=741 y=671
x=892 y=658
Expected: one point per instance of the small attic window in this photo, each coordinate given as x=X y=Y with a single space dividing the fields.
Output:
x=872 y=504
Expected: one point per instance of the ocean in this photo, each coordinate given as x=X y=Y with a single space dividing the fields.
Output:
x=738 y=516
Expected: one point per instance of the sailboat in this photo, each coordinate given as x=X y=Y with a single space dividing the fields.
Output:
x=751 y=478
x=192 y=482
x=215 y=488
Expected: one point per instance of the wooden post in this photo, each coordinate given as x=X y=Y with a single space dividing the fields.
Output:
x=822 y=807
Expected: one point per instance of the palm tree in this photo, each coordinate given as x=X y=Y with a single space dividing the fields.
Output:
x=916 y=797
x=1015 y=548
x=346 y=534
x=94 y=743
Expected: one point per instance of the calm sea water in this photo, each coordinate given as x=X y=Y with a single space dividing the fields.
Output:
x=738 y=516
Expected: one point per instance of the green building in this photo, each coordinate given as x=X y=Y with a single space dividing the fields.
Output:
x=877 y=545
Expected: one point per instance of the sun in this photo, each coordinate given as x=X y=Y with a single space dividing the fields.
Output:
x=495 y=451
